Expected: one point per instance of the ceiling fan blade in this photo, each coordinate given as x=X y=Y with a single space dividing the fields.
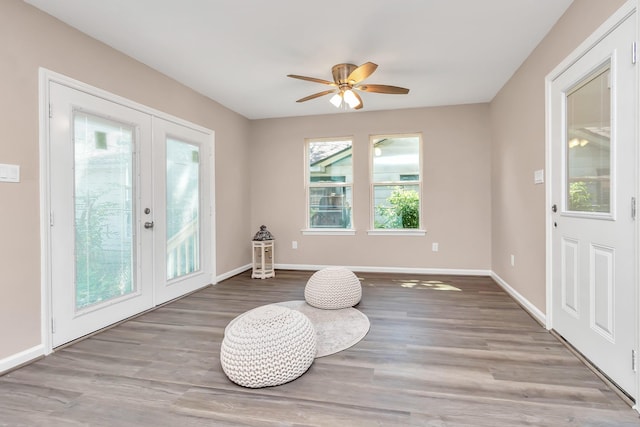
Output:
x=383 y=89
x=311 y=79
x=316 y=95
x=359 y=106
x=362 y=72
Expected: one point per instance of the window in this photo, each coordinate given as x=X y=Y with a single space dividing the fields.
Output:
x=396 y=183
x=588 y=144
x=329 y=183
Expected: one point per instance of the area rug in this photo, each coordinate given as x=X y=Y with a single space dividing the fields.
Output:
x=336 y=330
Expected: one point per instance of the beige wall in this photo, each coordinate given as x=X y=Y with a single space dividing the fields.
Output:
x=30 y=39
x=480 y=203
x=518 y=132
x=457 y=195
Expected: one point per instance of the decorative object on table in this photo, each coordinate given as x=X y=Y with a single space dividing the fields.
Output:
x=333 y=288
x=263 y=254
x=268 y=346
x=263 y=234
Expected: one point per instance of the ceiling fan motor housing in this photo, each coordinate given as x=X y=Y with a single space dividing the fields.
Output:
x=341 y=73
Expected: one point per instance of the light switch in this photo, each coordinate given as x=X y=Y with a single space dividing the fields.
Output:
x=9 y=173
x=538 y=176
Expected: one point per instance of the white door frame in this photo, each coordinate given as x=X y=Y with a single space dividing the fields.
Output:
x=45 y=77
x=628 y=9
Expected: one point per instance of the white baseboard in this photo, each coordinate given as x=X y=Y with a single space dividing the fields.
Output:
x=525 y=303
x=18 y=359
x=398 y=270
x=233 y=272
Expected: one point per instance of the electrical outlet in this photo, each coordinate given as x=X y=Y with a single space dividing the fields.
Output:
x=294 y=244
x=513 y=260
x=434 y=247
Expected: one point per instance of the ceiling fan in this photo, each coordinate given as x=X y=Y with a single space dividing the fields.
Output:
x=347 y=80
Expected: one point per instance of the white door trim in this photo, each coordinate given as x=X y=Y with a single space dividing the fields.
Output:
x=628 y=9
x=45 y=77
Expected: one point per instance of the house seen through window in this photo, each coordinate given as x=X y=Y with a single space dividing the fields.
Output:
x=329 y=183
x=396 y=183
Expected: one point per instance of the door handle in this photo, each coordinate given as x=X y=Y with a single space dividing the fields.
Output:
x=554 y=208
x=148 y=225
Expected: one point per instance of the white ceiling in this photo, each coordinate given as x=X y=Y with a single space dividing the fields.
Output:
x=238 y=53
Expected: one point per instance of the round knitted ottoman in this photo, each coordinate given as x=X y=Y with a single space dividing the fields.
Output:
x=333 y=288
x=268 y=346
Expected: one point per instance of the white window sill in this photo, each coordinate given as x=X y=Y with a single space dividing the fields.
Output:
x=328 y=232
x=397 y=232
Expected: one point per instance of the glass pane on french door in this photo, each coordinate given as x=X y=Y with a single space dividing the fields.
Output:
x=183 y=208
x=104 y=208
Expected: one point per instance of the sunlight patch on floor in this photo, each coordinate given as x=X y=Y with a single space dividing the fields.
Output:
x=435 y=285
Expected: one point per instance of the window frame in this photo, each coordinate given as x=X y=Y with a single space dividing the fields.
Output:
x=309 y=184
x=420 y=231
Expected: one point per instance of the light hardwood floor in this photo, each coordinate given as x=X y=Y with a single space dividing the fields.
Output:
x=442 y=351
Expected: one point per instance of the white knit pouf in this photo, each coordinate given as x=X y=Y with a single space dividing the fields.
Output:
x=268 y=346
x=333 y=288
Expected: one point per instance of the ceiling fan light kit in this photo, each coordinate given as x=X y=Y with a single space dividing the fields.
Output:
x=347 y=80
x=336 y=100
x=345 y=100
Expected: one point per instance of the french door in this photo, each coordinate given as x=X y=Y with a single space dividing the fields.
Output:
x=181 y=189
x=130 y=220
x=593 y=119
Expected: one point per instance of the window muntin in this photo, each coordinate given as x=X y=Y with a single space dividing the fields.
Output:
x=329 y=183
x=396 y=183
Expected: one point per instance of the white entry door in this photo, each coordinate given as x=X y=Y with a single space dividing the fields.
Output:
x=593 y=150
x=130 y=222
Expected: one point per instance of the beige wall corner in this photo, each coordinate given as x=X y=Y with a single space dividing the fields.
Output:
x=456 y=195
x=518 y=133
x=30 y=40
